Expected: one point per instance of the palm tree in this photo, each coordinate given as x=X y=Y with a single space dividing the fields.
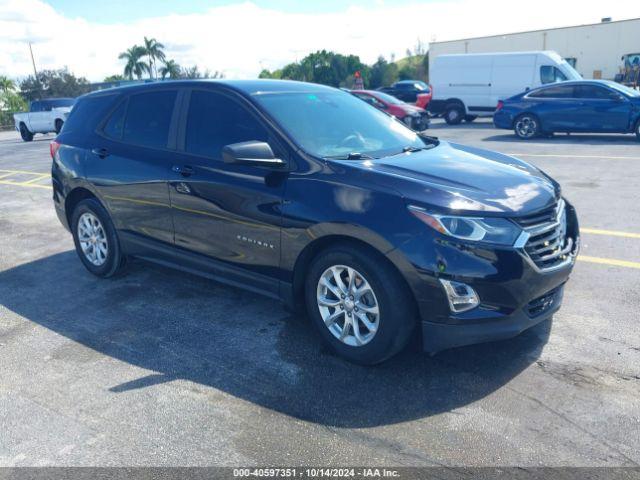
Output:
x=135 y=65
x=170 y=69
x=154 y=50
x=6 y=84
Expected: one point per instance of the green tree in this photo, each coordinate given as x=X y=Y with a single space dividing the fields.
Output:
x=328 y=68
x=10 y=103
x=6 y=84
x=53 y=83
x=155 y=51
x=170 y=69
x=135 y=65
x=115 y=78
x=194 y=72
x=382 y=73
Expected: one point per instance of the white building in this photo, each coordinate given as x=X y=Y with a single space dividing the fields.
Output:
x=596 y=49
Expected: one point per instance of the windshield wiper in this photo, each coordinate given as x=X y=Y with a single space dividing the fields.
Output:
x=351 y=156
x=410 y=148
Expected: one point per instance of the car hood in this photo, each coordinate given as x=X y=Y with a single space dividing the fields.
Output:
x=453 y=177
x=409 y=109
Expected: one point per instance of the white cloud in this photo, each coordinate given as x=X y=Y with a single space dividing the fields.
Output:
x=243 y=38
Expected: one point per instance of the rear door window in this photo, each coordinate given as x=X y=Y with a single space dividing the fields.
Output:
x=560 y=91
x=215 y=120
x=148 y=118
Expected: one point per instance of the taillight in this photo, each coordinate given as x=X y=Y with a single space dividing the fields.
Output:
x=500 y=105
x=53 y=148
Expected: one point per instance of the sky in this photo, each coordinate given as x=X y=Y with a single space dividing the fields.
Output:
x=240 y=38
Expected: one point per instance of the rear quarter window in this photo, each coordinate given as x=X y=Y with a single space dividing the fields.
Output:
x=88 y=112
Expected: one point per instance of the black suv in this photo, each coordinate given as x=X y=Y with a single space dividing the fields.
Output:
x=307 y=194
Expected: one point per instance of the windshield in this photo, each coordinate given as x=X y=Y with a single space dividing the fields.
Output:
x=60 y=102
x=336 y=124
x=630 y=92
x=570 y=72
x=385 y=97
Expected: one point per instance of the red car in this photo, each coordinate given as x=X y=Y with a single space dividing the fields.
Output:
x=414 y=117
x=423 y=99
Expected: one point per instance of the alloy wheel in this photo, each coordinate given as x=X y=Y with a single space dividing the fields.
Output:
x=93 y=239
x=526 y=127
x=348 y=305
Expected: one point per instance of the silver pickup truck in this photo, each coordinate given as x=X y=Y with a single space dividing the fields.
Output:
x=44 y=116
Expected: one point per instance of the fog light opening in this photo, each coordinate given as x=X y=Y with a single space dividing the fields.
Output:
x=460 y=295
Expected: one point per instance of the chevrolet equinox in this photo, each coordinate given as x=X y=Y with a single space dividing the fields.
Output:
x=307 y=194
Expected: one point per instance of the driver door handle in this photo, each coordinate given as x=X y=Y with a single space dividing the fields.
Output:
x=100 y=152
x=184 y=170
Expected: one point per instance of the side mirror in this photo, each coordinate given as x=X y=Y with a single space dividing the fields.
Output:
x=253 y=152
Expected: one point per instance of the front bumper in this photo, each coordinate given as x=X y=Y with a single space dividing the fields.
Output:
x=418 y=122
x=442 y=336
x=514 y=293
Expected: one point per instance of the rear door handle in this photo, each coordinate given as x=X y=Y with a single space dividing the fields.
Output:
x=184 y=170
x=100 y=152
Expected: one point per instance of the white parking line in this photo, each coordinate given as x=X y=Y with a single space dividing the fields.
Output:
x=559 y=155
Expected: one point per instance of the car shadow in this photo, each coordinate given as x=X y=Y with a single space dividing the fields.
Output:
x=178 y=326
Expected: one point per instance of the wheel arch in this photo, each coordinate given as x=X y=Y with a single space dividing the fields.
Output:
x=74 y=197
x=321 y=244
x=527 y=112
x=455 y=101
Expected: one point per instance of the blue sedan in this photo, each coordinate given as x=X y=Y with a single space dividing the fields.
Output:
x=588 y=106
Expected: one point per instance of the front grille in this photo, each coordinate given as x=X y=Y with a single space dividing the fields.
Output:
x=548 y=245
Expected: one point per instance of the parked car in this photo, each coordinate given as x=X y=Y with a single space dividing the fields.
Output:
x=469 y=85
x=407 y=90
x=306 y=194
x=590 y=106
x=44 y=116
x=424 y=99
x=414 y=117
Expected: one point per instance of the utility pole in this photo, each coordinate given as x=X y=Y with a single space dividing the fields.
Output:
x=35 y=72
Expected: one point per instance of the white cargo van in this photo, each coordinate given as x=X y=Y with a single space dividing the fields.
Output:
x=466 y=86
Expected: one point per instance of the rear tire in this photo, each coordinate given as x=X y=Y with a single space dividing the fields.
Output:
x=26 y=135
x=454 y=114
x=470 y=118
x=58 y=125
x=376 y=300
x=96 y=240
x=527 y=126
x=638 y=130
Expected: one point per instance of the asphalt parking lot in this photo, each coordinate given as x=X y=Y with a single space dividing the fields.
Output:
x=163 y=368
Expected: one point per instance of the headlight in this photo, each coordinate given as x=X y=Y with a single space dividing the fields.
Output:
x=499 y=231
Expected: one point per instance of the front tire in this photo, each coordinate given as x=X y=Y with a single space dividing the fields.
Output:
x=26 y=135
x=96 y=240
x=58 y=125
x=527 y=126
x=454 y=114
x=359 y=304
x=638 y=130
